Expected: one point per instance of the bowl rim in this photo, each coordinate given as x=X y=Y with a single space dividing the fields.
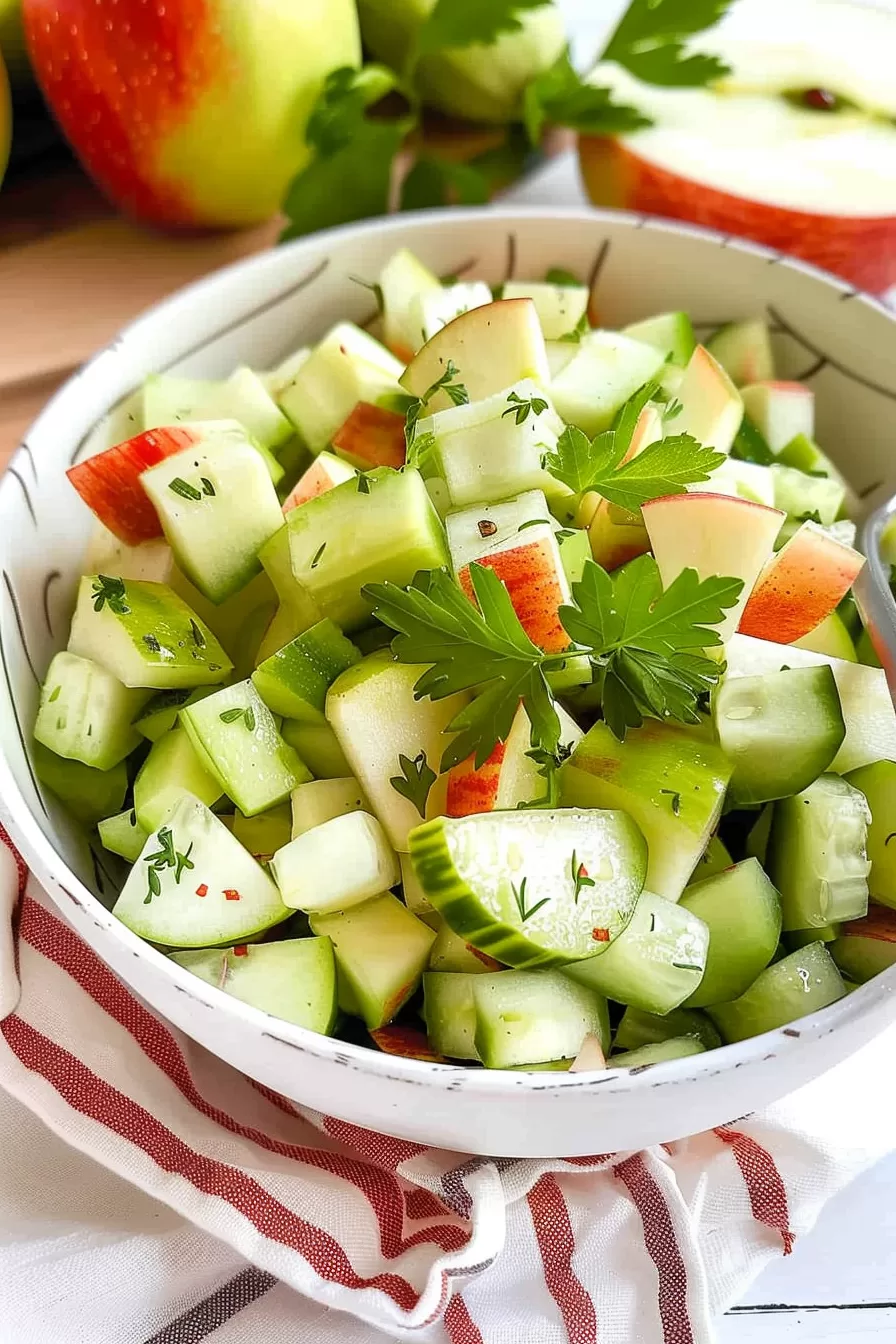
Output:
x=37 y=848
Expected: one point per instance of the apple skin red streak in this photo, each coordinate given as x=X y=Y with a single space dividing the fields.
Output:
x=109 y=483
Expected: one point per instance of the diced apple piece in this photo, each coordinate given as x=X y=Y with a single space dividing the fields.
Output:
x=744 y=350
x=433 y=309
x=473 y=532
x=712 y=408
x=510 y=776
x=402 y=279
x=671 y=333
x=471 y=790
x=347 y=366
x=371 y=437
x=283 y=373
x=616 y=535
x=605 y=371
x=110 y=485
x=152 y=561
x=715 y=535
x=491 y=347
x=560 y=307
x=801 y=585
x=780 y=410
x=325 y=472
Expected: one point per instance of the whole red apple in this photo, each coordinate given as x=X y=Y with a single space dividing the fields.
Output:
x=189 y=112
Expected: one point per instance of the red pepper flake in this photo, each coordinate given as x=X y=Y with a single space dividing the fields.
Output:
x=241 y=951
x=230 y=894
x=202 y=889
x=600 y=935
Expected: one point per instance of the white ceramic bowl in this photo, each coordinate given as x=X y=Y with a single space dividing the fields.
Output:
x=841 y=342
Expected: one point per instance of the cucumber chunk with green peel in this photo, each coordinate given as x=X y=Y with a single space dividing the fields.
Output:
x=90 y=795
x=533 y=888
x=660 y=1052
x=449 y=1011
x=451 y=953
x=123 y=834
x=866 y=947
x=715 y=859
x=804 y=454
x=401 y=280
x=172 y=769
x=336 y=865
x=294 y=980
x=161 y=712
x=637 y=1028
x=756 y=846
x=291 y=618
x=799 y=494
x=294 y=681
x=655 y=963
x=194 y=885
x=744 y=350
x=415 y=898
x=170 y=400
x=780 y=731
x=742 y=911
x=377 y=719
x=533 y=1017
x=217 y=506
x=670 y=333
x=264 y=834
x=145 y=635
x=86 y=714
x=381 y=953
x=606 y=369
x=878 y=783
x=318 y=746
x=235 y=735
x=817 y=854
x=670 y=780
x=798 y=984
x=320 y=800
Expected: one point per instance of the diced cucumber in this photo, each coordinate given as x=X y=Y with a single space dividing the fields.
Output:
x=235 y=735
x=90 y=795
x=294 y=980
x=560 y=308
x=320 y=800
x=195 y=886
x=449 y=1011
x=780 y=411
x=289 y=620
x=532 y=1017
x=381 y=953
x=715 y=859
x=336 y=865
x=878 y=784
x=433 y=309
x=655 y=963
x=377 y=720
x=415 y=898
x=744 y=350
x=318 y=746
x=866 y=947
x=533 y=888
x=797 y=938
x=670 y=333
x=830 y=637
x=780 y=731
x=756 y=846
x=800 y=495
x=817 y=856
x=675 y=1047
x=742 y=911
x=670 y=780
x=346 y=367
x=161 y=711
x=294 y=681
x=86 y=714
x=864 y=697
x=169 y=400
x=171 y=770
x=605 y=371
x=265 y=833
x=750 y=446
x=798 y=984
x=451 y=953
x=636 y=1028
x=276 y=379
x=804 y=454
x=402 y=278
x=144 y=634
x=123 y=834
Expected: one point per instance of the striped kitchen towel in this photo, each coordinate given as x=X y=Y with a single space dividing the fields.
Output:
x=149 y=1194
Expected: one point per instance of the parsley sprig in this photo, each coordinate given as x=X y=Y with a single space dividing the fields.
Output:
x=419 y=445
x=112 y=592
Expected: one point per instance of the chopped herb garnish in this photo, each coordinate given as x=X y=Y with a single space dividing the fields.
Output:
x=418 y=446
x=653 y=923
x=676 y=800
x=231 y=715
x=415 y=781
x=155 y=886
x=207 y=487
x=54 y=694
x=317 y=555
x=533 y=522
x=560 y=277
x=580 y=329
x=519 y=895
x=184 y=489
x=363 y=484
x=198 y=636
x=375 y=289
x=686 y=966
x=183 y=861
x=166 y=857
x=672 y=409
x=111 y=591
x=132 y=818
x=520 y=407
x=152 y=643
x=249 y=717
x=579 y=876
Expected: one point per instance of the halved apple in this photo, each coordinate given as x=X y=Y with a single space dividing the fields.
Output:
x=800 y=586
x=780 y=410
x=491 y=347
x=325 y=471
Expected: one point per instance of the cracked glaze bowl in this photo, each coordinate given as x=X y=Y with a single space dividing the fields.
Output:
x=840 y=341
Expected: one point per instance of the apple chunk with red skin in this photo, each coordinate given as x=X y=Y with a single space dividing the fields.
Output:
x=780 y=410
x=491 y=347
x=510 y=776
x=800 y=586
x=715 y=535
x=371 y=437
x=616 y=535
x=325 y=472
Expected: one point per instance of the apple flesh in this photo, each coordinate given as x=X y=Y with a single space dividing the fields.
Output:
x=492 y=347
x=617 y=536
x=325 y=472
x=371 y=437
x=780 y=410
x=711 y=405
x=533 y=574
x=509 y=776
x=109 y=483
x=801 y=585
x=713 y=534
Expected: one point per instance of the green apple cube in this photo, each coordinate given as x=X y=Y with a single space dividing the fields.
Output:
x=169 y=400
x=433 y=309
x=401 y=281
x=336 y=865
x=123 y=834
x=605 y=371
x=294 y=681
x=451 y=952
x=320 y=800
x=318 y=746
x=194 y=885
x=86 y=713
x=671 y=333
x=172 y=768
x=144 y=634
x=90 y=795
x=561 y=308
x=878 y=783
x=294 y=980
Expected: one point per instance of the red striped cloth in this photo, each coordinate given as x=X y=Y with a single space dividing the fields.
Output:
x=175 y=1200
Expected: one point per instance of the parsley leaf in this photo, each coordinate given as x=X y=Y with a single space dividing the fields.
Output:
x=560 y=97
x=434 y=181
x=415 y=781
x=750 y=444
x=463 y=23
x=574 y=336
x=649 y=41
x=111 y=591
x=520 y=407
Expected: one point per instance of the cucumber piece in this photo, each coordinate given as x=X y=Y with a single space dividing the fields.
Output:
x=318 y=746
x=743 y=480
x=878 y=784
x=533 y=1017
x=797 y=938
x=670 y=333
x=294 y=980
x=756 y=846
x=169 y=400
x=744 y=350
x=161 y=711
x=866 y=947
x=780 y=731
x=830 y=637
x=670 y=780
x=320 y=800
x=605 y=371
x=750 y=446
x=276 y=379
x=805 y=455
x=336 y=865
x=449 y=1011
x=415 y=898
x=780 y=410
x=294 y=681
x=265 y=833
x=637 y=1028
x=123 y=834
x=799 y=494
x=450 y=953
x=561 y=309
x=289 y=620
x=375 y=716
x=433 y=309
x=236 y=736
x=655 y=963
x=212 y=895
x=676 y=1047
x=715 y=859
x=402 y=278
x=742 y=911
x=90 y=795
x=217 y=506
x=798 y=984
x=381 y=953
x=86 y=714
x=171 y=770
x=816 y=854
x=144 y=634
x=533 y=888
